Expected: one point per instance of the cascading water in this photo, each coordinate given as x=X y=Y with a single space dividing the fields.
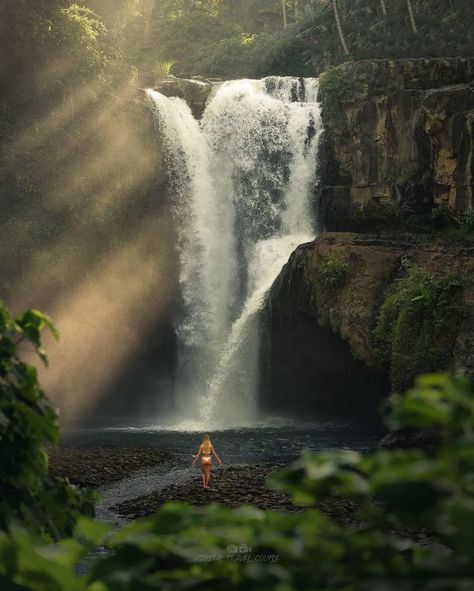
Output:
x=243 y=181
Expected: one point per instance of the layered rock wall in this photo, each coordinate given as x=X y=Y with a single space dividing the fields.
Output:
x=402 y=139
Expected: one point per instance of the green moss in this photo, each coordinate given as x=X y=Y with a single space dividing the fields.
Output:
x=399 y=174
x=418 y=324
x=333 y=272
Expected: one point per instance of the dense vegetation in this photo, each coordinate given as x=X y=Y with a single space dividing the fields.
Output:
x=411 y=510
x=418 y=323
x=238 y=38
x=46 y=505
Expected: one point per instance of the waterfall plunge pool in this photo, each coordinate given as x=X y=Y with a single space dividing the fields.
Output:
x=246 y=445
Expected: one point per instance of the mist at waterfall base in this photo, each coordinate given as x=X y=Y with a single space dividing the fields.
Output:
x=243 y=189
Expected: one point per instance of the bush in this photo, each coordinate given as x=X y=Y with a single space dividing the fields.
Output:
x=31 y=497
x=335 y=87
x=281 y=54
x=161 y=69
x=202 y=44
x=333 y=271
x=468 y=222
x=440 y=217
x=186 y=41
x=312 y=44
x=395 y=495
x=418 y=324
x=227 y=58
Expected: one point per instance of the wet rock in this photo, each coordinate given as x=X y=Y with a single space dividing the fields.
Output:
x=94 y=467
x=232 y=486
x=411 y=438
x=194 y=91
x=449 y=114
x=235 y=486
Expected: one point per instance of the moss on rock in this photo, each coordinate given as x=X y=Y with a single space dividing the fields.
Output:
x=333 y=272
x=418 y=324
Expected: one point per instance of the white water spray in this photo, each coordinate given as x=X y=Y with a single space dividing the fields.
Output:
x=243 y=182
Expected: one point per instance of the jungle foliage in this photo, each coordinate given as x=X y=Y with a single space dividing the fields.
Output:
x=318 y=34
x=29 y=495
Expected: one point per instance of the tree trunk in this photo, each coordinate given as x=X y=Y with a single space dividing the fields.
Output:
x=339 y=27
x=412 y=16
x=383 y=7
x=148 y=7
x=297 y=9
x=285 y=20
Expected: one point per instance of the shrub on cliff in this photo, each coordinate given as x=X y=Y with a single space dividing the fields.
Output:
x=335 y=87
x=418 y=324
x=333 y=271
x=28 y=494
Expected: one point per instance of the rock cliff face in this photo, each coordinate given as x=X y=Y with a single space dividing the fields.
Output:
x=321 y=340
x=354 y=316
x=402 y=139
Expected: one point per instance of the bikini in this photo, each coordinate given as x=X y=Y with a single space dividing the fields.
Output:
x=206 y=458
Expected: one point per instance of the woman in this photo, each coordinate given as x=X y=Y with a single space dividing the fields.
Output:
x=205 y=450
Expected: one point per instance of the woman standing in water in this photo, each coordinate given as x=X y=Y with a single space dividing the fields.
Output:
x=205 y=450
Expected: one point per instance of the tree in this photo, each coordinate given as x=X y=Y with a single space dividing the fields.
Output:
x=297 y=9
x=412 y=16
x=285 y=19
x=339 y=27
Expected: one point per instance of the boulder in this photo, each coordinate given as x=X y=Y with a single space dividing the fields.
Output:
x=319 y=350
x=194 y=91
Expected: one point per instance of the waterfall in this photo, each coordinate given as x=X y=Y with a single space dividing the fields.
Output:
x=243 y=184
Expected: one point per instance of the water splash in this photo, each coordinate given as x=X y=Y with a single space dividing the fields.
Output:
x=243 y=182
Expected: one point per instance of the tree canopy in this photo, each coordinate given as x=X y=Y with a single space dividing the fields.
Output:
x=232 y=38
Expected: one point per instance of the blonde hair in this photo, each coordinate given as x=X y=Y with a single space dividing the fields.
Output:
x=206 y=442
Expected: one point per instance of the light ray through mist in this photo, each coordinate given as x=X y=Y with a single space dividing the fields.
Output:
x=104 y=320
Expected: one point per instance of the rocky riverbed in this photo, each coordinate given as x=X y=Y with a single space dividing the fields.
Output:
x=96 y=466
x=232 y=486
x=122 y=473
x=133 y=481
